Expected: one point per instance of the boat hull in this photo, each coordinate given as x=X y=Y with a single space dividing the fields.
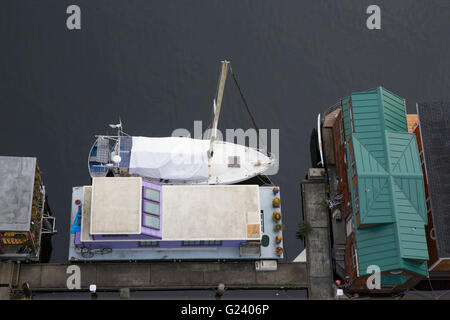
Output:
x=177 y=160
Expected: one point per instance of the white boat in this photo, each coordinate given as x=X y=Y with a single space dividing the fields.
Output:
x=319 y=137
x=178 y=160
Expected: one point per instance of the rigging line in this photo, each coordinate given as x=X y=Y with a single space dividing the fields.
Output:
x=246 y=106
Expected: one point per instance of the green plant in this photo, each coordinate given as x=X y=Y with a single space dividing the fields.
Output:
x=276 y=202
x=304 y=228
x=277 y=227
x=276 y=216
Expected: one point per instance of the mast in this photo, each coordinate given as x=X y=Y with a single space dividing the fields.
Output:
x=116 y=158
x=217 y=105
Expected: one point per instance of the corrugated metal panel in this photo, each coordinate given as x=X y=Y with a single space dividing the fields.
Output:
x=377 y=245
x=368 y=123
x=394 y=111
x=390 y=184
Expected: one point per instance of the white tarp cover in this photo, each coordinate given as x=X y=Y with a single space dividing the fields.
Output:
x=173 y=158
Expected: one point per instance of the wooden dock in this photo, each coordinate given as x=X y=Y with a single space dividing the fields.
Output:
x=153 y=276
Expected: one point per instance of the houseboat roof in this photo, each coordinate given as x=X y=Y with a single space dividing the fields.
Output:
x=374 y=109
x=434 y=121
x=187 y=212
x=116 y=206
x=390 y=185
x=392 y=199
x=211 y=212
x=16 y=192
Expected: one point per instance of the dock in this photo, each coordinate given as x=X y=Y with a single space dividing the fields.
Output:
x=154 y=276
x=318 y=244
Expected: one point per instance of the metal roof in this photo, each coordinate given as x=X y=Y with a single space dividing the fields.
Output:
x=16 y=192
x=390 y=183
x=372 y=109
x=434 y=121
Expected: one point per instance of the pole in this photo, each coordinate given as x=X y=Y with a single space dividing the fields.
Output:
x=218 y=105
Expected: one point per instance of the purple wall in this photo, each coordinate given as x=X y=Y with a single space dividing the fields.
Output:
x=135 y=244
x=147 y=234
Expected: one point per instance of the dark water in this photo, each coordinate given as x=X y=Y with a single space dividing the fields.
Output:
x=155 y=64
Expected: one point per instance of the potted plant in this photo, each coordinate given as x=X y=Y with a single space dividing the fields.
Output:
x=279 y=251
x=277 y=227
x=276 y=202
x=276 y=216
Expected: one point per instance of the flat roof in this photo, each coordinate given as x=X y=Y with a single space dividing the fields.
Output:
x=434 y=122
x=211 y=212
x=16 y=192
x=116 y=205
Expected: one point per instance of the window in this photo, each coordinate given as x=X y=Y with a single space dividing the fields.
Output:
x=262 y=220
x=151 y=194
x=356 y=196
x=148 y=243
x=351 y=115
x=151 y=221
x=349 y=226
x=353 y=163
x=428 y=204
x=341 y=125
x=202 y=243
x=151 y=207
x=234 y=162
x=354 y=256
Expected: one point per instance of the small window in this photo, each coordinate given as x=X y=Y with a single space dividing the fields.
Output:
x=356 y=196
x=114 y=235
x=353 y=163
x=234 y=162
x=148 y=243
x=151 y=221
x=354 y=256
x=151 y=207
x=202 y=243
x=349 y=226
x=351 y=116
x=151 y=194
